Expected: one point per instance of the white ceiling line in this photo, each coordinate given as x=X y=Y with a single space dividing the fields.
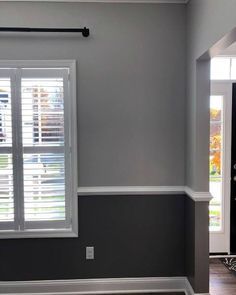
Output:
x=107 y=1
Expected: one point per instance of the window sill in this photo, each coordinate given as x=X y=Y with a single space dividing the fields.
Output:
x=37 y=234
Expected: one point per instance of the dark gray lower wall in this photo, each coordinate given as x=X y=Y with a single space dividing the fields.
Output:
x=190 y=239
x=133 y=236
x=201 y=279
x=197 y=245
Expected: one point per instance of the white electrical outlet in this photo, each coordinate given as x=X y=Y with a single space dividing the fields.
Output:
x=90 y=253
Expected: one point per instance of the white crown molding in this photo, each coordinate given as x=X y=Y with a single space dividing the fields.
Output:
x=144 y=190
x=98 y=286
x=107 y=1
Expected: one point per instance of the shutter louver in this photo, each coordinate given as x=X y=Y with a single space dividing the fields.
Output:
x=6 y=188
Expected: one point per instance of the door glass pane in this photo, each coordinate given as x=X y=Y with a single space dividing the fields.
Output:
x=215 y=161
x=215 y=136
x=233 y=68
x=220 y=68
x=215 y=164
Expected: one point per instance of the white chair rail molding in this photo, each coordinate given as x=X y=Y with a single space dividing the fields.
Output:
x=145 y=190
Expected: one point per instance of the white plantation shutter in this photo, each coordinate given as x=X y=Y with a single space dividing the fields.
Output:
x=6 y=165
x=37 y=174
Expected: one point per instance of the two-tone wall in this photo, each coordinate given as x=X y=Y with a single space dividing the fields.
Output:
x=131 y=83
x=131 y=131
x=208 y=22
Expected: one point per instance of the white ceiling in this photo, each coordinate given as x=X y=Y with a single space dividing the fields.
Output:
x=108 y=1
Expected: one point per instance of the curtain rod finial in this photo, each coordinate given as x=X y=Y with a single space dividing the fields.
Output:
x=85 y=32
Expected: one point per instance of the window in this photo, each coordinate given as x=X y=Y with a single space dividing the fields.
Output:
x=223 y=68
x=216 y=155
x=38 y=149
x=220 y=68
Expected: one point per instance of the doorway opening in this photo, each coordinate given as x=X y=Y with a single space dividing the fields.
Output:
x=223 y=78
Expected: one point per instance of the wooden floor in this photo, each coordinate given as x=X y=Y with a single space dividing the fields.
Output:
x=222 y=281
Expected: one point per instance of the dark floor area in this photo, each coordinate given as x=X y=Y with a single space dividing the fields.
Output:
x=222 y=281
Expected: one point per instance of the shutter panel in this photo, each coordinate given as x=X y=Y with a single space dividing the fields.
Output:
x=37 y=175
x=6 y=165
x=43 y=139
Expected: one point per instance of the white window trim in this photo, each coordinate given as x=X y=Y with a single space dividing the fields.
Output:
x=226 y=165
x=73 y=230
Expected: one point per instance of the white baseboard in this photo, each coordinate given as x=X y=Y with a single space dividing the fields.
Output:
x=189 y=289
x=98 y=286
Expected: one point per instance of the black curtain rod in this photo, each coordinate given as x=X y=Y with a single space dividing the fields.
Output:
x=84 y=31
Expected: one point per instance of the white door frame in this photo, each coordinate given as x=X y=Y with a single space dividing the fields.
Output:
x=220 y=241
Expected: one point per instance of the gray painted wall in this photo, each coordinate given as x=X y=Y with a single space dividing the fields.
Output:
x=207 y=22
x=131 y=84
